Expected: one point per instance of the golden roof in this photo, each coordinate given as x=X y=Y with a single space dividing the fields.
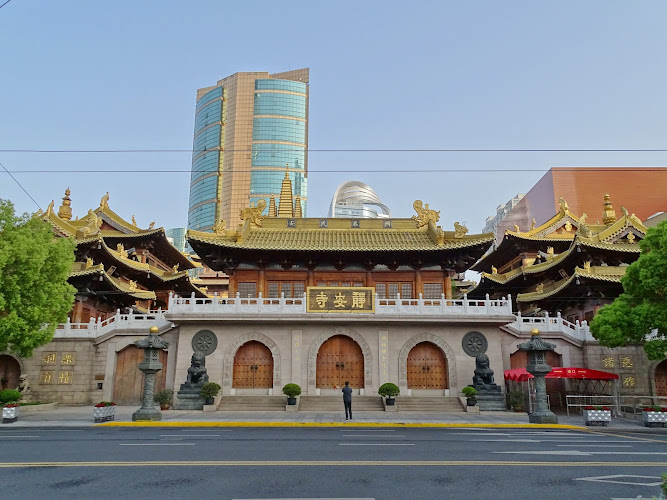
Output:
x=339 y=235
x=611 y=274
x=80 y=269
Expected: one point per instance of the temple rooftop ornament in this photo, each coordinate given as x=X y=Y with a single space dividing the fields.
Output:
x=609 y=212
x=65 y=211
x=424 y=214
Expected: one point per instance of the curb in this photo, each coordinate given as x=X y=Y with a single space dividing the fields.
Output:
x=339 y=424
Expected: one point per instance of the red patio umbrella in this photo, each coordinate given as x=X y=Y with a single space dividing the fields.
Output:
x=521 y=375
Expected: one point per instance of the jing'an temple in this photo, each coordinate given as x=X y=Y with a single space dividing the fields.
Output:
x=321 y=301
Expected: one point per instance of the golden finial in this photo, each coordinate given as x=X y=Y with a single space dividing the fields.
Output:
x=65 y=211
x=532 y=225
x=134 y=221
x=298 y=210
x=286 y=203
x=494 y=270
x=563 y=205
x=154 y=330
x=609 y=215
x=104 y=202
x=534 y=331
x=49 y=209
x=516 y=228
x=273 y=212
x=460 y=230
x=151 y=225
x=424 y=214
x=175 y=269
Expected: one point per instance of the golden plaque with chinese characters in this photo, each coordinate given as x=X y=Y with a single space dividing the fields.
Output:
x=345 y=299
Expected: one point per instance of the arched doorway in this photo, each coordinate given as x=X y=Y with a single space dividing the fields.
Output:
x=129 y=381
x=339 y=359
x=253 y=367
x=10 y=370
x=555 y=386
x=661 y=379
x=427 y=367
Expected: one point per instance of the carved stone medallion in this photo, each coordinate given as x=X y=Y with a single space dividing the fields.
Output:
x=205 y=342
x=474 y=343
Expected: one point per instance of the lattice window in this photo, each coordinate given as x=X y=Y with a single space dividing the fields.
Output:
x=248 y=289
x=432 y=290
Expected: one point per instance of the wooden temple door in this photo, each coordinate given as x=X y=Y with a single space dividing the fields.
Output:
x=10 y=371
x=340 y=359
x=129 y=380
x=427 y=367
x=661 y=379
x=253 y=367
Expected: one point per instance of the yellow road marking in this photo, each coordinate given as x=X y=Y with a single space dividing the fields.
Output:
x=338 y=424
x=328 y=463
x=661 y=441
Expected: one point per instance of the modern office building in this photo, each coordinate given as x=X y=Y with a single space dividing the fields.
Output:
x=501 y=212
x=176 y=236
x=249 y=129
x=354 y=199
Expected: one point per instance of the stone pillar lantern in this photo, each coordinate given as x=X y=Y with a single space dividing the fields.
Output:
x=152 y=345
x=537 y=366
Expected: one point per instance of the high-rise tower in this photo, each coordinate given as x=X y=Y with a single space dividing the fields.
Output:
x=249 y=128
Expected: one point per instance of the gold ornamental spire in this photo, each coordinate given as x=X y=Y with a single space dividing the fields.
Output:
x=298 y=210
x=286 y=206
x=272 y=206
x=609 y=216
x=65 y=211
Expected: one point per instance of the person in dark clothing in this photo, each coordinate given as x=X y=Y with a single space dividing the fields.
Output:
x=347 y=400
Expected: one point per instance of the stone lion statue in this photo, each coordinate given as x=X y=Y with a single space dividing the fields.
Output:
x=483 y=373
x=197 y=371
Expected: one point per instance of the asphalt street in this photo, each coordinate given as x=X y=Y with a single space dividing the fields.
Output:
x=341 y=463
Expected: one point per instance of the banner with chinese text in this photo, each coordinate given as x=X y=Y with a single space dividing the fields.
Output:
x=347 y=299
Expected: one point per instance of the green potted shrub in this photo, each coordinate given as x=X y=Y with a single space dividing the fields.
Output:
x=470 y=393
x=209 y=391
x=389 y=391
x=291 y=391
x=10 y=406
x=164 y=397
x=517 y=400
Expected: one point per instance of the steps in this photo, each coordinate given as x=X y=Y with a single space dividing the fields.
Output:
x=335 y=403
x=252 y=403
x=444 y=404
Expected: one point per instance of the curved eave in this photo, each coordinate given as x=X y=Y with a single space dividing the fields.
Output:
x=159 y=237
x=564 y=284
x=113 y=219
x=116 y=284
x=512 y=244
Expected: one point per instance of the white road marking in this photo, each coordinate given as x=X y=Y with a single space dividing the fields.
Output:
x=507 y=440
x=610 y=479
x=375 y=444
x=367 y=430
x=16 y=436
x=302 y=498
x=217 y=430
x=189 y=435
x=582 y=453
x=599 y=445
x=156 y=444
x=394 y=436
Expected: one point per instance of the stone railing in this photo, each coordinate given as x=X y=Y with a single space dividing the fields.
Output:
x=395 y=307
x=118 y=323
x=553 y=324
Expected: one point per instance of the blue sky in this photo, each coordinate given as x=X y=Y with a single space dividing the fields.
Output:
x=383 y=75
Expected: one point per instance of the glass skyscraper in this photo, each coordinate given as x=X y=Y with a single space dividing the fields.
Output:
x=249 y=129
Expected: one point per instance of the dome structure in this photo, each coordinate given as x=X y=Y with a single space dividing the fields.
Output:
x=354 y=199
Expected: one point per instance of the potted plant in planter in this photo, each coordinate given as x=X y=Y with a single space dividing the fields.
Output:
x=164 y=397
x=597 y=415
x=10 y=406
x=209 y=391
x=470 y=393
x=517 y=400
x=654 y=415
x=104 y=410
x=291 y=391
x=389 y=391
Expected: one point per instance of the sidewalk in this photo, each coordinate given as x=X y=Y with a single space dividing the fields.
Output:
x=82 y=416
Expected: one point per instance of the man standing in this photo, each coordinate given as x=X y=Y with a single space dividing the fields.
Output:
x=347 y=400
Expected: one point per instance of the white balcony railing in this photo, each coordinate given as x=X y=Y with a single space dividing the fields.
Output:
x=118 y=323
x=395 y=307
x=551 y=324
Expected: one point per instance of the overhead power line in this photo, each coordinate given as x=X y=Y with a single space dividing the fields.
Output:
x=1 y=6
x=337 y=171
x=17 y=182
x=361 y=150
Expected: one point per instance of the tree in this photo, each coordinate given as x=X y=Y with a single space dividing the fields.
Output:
x=34 y=293
x=639 y=314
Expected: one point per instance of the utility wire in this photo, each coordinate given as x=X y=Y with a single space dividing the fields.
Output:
x=364 y=150
x=336 y=171
x=17 y=182
x=1 y=6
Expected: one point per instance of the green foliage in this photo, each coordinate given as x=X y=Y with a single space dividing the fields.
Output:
x=517 y=398
x=470 y=392
x=164 y=396
x=210 y=390
x=389 y=390
x=663 y=486
x=9 y=395
x=291 y=390
x=642 y=308
x=34 y=293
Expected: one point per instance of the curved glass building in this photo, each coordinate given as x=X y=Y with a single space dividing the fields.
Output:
x=249 y=129
x=356 y=200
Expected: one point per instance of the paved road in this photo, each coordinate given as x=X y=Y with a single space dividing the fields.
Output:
x=270 y=463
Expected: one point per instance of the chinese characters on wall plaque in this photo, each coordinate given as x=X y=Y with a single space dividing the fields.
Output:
x=340 y=299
